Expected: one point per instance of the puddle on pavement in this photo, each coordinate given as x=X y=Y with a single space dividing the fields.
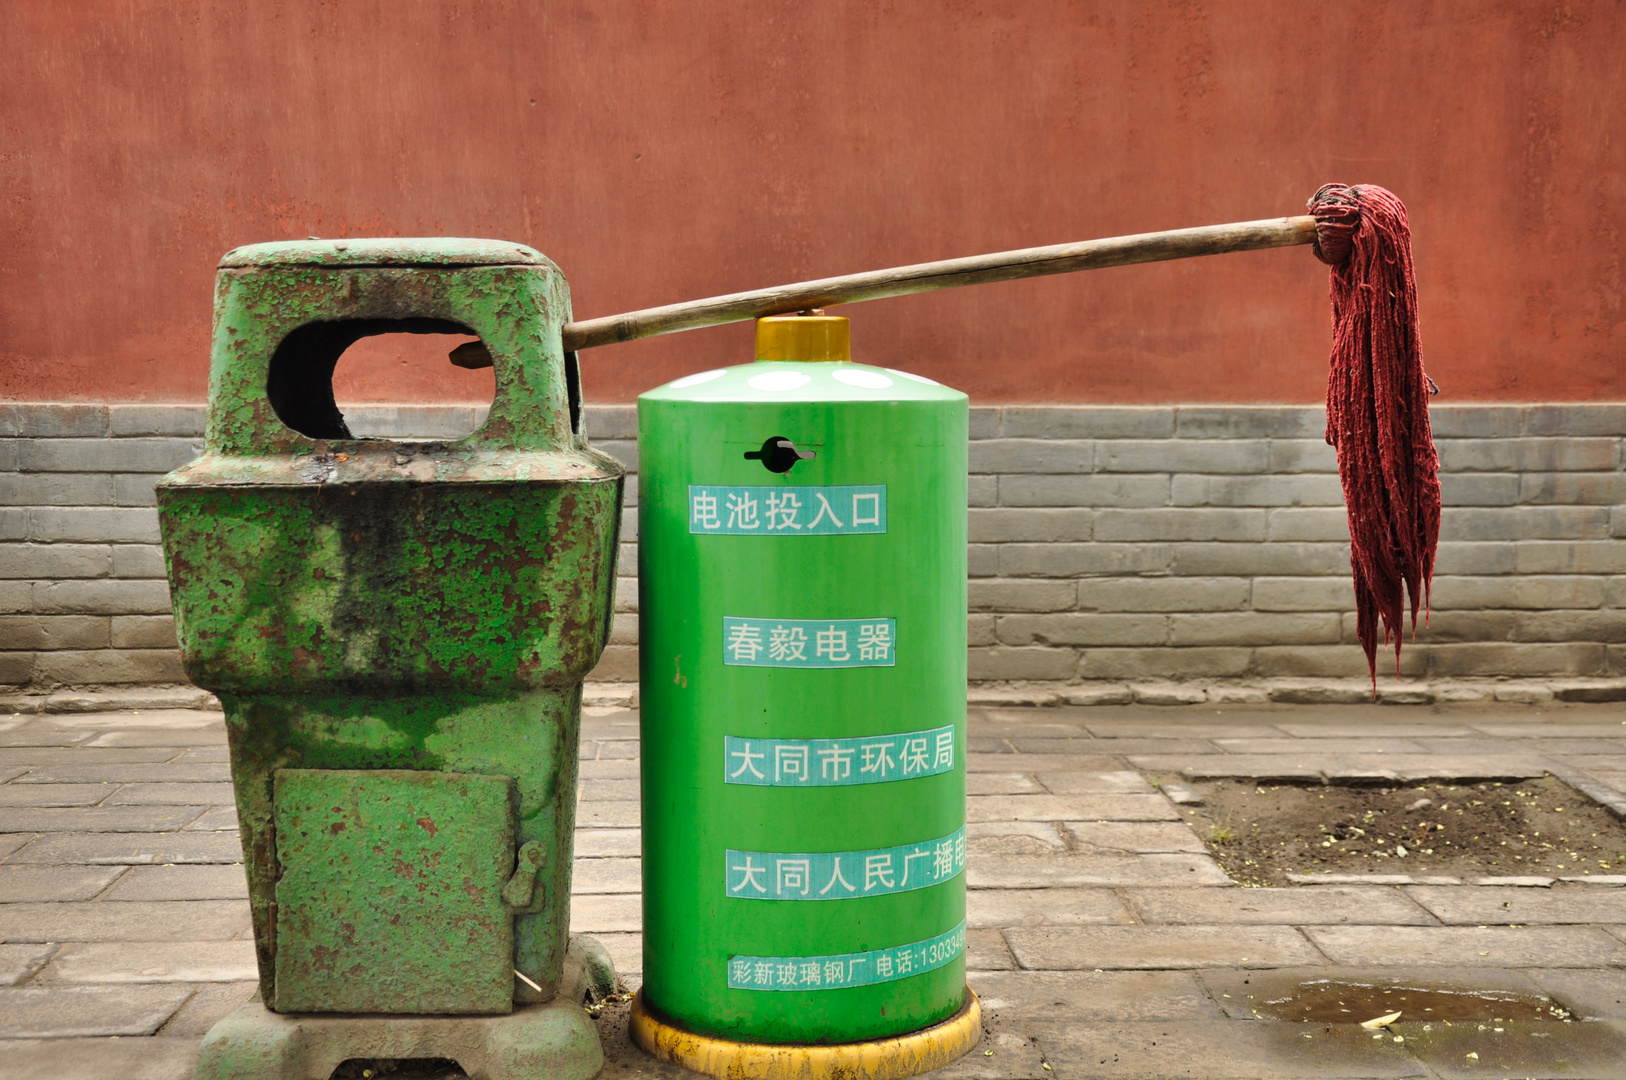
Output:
x=1332 y=1001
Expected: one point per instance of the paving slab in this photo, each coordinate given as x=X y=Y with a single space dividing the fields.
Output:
x=1204 y=726
x=207 y=1006
x=98 y=1059
x=1449 y=766
x=1140 y=837
x=138 y=720
x=216 y=819
x=1497 y=946
x=1095 y=995
x=1590 y=763
x=1590 y=1051
x=54 y=794
x=1512 y=729
x=608 y=770
x=1600 y=994
x=1187 y=747
x=1389 y=744
x=37 y=734
x=1027 y=728
x=20 y=884
x=1069 y=808
x=1096 y=761
x=1567 y=747
x=1306 y=766
x=1117 y=782
x=120 y=962
x=597 y=843
x=1276 y=907
x=1013 y=838
x=1218 y=1050
x=607 y=876
x=1001 y=1055
x=182 y=920
x=10 y=842
x=1110 y=871
x=609 y=750
x=1091 y=947
x=220 y=881
x=15 y=819
x=1012 y=783
x=620 y=789
x=35 y=756
x=991 y=908
x=167 y=737
x=1399 y=727
x=985 y=950
x=1490 y=906
x=200 y=753
x=173 y=772
x=131 y=849
x=64 y=1012
x=171 y=794
x=18 y=962
x=619 y=815
x=606 y=913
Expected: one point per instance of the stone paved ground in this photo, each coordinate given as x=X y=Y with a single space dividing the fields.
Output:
x=1103 y=940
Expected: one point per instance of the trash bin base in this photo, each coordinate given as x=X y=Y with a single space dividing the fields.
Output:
x=909 y=1054
x=555 y=1039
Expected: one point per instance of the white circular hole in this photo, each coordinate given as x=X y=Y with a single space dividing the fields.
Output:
x=777 y=380
x=698 y=378
x=869 y=380
x=913 y=377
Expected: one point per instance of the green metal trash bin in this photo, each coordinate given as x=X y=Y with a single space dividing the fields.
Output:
x=398 y=632
x=802 y=599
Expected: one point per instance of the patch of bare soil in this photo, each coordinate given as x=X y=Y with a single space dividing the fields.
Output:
x=1260 y=833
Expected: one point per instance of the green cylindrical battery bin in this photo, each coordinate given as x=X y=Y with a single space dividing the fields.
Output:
x=802 y=599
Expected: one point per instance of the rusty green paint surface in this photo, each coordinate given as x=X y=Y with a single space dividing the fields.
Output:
x=529 y=736
x=367 y=604
x=386 y=874
x=390 y=585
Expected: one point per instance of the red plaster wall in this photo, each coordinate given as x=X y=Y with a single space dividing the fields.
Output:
x=665 y=151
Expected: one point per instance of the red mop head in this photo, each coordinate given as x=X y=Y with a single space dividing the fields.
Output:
x=1377 y=408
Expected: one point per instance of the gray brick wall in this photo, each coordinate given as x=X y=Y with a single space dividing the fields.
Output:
x=1106 y=542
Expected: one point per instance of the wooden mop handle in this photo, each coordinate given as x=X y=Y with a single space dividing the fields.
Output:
x=923 y=277
x=948 y=274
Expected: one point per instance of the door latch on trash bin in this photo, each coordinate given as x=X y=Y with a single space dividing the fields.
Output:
x=521 y=888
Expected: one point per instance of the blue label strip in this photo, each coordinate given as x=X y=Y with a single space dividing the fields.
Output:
x=874 y=759
x=787 y=511
x=845 y=969
x=844 y=875
x=810 y=643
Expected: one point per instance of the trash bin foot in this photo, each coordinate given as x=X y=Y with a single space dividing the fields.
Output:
x=880 y=1059
x=556 y=1040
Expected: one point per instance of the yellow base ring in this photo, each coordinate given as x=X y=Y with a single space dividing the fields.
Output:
x=883 y=1059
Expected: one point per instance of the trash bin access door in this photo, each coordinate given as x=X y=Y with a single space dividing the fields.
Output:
x=390 y=896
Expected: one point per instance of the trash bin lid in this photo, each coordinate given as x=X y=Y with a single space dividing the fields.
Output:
x=434 y=251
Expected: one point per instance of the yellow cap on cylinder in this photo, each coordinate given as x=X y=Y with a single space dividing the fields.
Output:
x=803 y=337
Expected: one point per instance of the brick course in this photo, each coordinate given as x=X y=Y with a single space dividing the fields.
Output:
x=1107 y=542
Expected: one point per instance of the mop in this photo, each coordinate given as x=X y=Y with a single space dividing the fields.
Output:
x=1377 y=392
